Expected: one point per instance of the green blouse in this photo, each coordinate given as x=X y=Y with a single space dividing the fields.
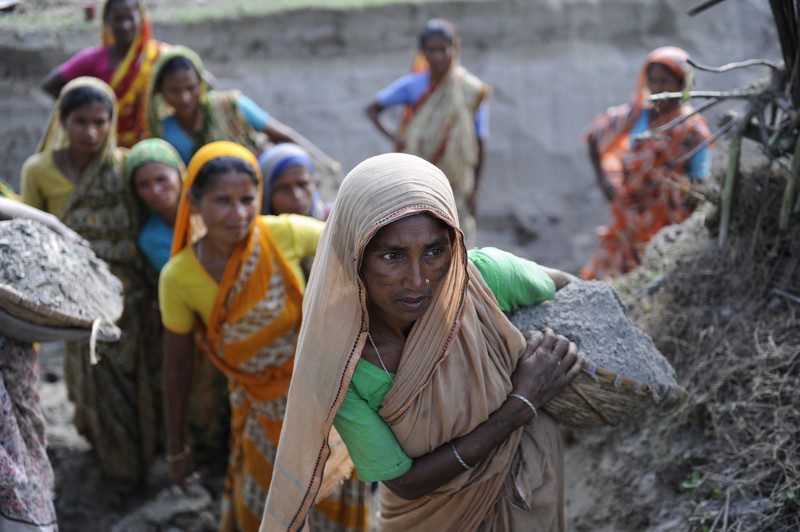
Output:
x=377 y=455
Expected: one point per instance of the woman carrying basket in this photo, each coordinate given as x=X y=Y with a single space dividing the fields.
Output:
x=26 y=490
x=406 y=351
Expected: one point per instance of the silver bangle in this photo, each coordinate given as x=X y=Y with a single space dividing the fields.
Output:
x=458 y=457
x=527 y=402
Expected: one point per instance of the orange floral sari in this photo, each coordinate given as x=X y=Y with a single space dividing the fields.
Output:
x=649 y=175
x=251 y=338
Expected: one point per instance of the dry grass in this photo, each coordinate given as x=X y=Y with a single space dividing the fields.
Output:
x=727 y=321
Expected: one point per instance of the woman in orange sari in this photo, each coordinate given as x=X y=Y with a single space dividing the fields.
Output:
x=646 y=175
x=124 y=60
x=237 y=292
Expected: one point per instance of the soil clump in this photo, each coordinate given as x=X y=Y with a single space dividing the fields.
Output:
x=67 y=277
x=592 y=315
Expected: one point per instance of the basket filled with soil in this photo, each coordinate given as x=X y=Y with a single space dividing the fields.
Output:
x=52 y=288
x=624 y=375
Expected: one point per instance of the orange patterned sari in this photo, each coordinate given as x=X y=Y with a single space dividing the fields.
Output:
x=649 y=175
x=251 y=338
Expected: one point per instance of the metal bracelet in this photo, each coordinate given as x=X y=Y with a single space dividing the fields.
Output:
x=179 y=456
x=458 y=457
x=527 y=402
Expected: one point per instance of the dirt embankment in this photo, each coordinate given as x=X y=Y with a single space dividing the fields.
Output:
x=553 y=66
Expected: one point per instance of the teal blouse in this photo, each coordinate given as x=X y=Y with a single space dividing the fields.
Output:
x=377 y=455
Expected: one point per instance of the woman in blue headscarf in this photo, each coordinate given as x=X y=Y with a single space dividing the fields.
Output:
x=289 y=183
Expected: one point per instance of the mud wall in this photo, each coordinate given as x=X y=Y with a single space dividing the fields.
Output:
x=553 y=65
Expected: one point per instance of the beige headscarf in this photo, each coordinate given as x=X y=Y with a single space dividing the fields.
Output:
x=462 y=342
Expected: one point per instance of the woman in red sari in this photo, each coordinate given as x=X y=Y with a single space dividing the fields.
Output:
x=124 y=60
x=646 y=174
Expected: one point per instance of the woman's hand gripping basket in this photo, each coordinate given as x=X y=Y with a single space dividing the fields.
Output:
x=624 y=376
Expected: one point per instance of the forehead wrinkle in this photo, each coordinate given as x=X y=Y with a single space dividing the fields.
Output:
x=408 y=237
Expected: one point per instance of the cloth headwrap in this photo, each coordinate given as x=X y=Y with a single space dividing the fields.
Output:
x=157 y=107
x=185 y=227
x=438 y=26
x=277 y=159
x=280 y=157
x=55 y=135
x=153 y=151
x=675 y=59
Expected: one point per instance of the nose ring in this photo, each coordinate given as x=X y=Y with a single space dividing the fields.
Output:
x=427 y=282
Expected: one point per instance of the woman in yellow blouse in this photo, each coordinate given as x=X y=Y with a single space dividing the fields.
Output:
x=239 y=289
x=78 y=174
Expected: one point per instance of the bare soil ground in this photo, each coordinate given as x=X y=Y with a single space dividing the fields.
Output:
x=538 y=201
x=36 y=13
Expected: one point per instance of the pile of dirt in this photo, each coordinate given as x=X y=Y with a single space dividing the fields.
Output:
x=729 y=322
x=591 y=314
x=173 y=508
x=64 y=276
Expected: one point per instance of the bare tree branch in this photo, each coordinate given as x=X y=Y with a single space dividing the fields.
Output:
x=696 y=10
x=717 y=134
x=737 y=93
x=732 y=66
x=683 y=118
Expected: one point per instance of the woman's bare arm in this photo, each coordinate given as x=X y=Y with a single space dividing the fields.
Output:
x=10 y=209
x=550 y=362
x=374 y=111
x=53 y=82
x=559 y=277
x=178 y=370
x=599 y=174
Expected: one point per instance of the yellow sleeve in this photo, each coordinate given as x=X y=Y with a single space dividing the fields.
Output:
x=176 y=314
x=306 y=232
x=31 y=195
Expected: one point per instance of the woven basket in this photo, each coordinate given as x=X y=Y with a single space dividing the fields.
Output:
x=16 y=304
x=600 y=397
x=30 y=321
x=24 y=331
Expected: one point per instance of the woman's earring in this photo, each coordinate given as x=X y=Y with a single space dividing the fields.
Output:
x=427 y=282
